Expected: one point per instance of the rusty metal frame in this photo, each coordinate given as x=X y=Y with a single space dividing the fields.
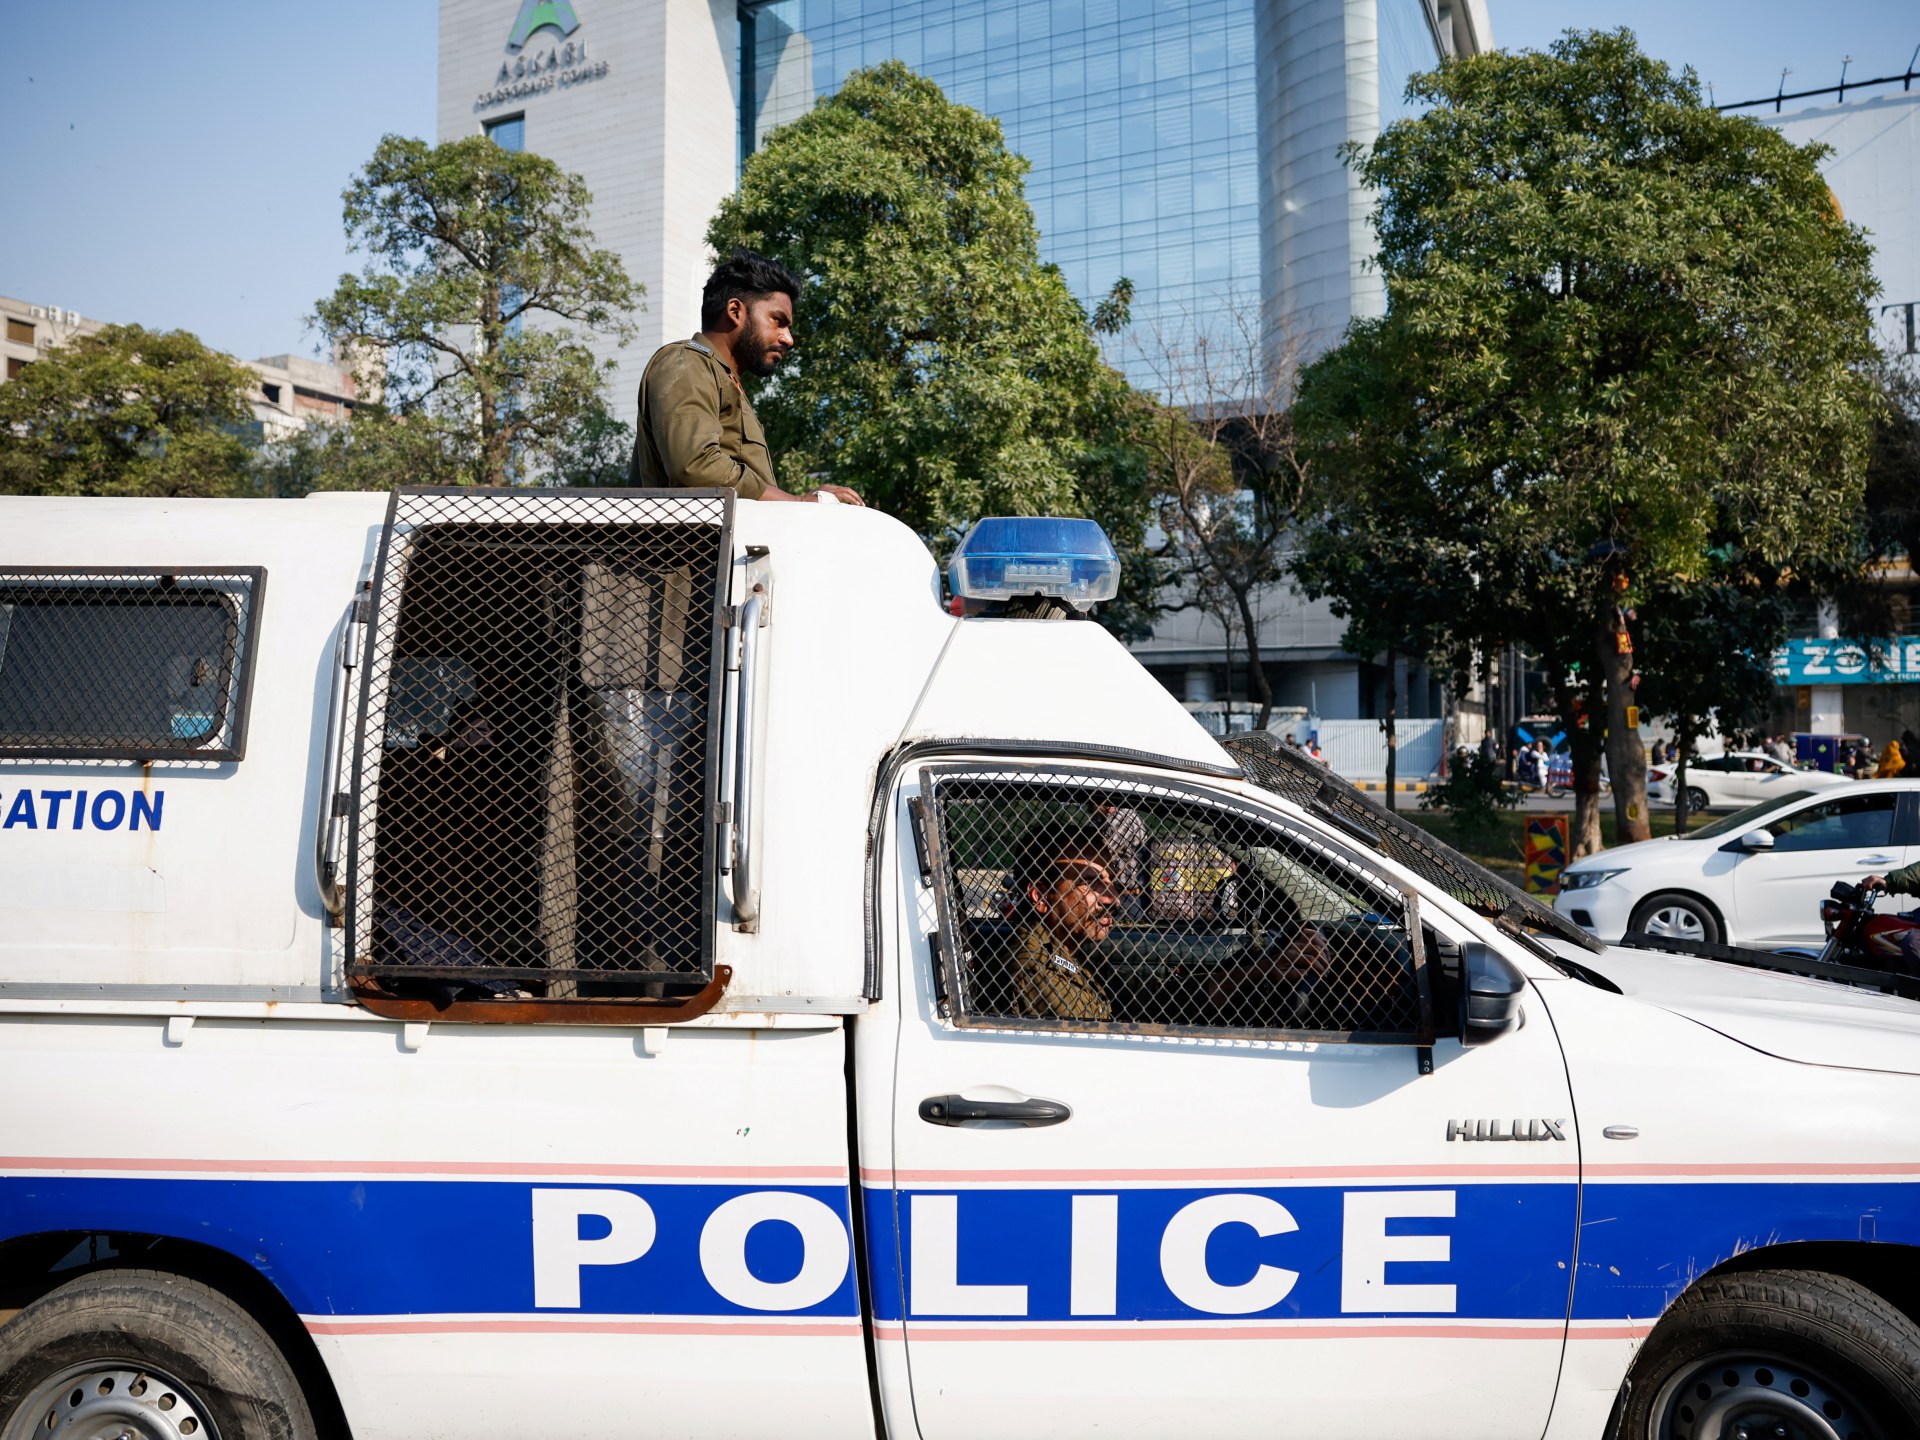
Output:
x=639 y=1010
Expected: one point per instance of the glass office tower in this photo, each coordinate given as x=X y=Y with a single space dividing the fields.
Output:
x=1147 y=127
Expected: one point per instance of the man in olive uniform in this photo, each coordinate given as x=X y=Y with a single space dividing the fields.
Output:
x=1068 y=887
x=696 y=427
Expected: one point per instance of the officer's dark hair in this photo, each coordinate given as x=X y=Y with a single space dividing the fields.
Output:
x=744 y=276
x=1037 y=858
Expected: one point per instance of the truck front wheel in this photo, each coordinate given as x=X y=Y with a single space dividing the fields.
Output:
x=146 y=1354
x=1776 y=1352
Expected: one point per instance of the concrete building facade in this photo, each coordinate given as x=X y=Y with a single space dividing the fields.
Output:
x=640 y=98
x=1871 y=686
x=28 y=330
x=1875 y=140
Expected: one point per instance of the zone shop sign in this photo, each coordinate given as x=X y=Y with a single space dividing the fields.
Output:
x=1848 y=662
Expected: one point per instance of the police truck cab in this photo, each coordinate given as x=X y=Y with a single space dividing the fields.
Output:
x=602 y=963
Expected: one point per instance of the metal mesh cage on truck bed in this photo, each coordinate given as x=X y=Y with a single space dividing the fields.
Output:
x=1310 y=785
x=537 y=745
x=118 y=664
x=1090 y=900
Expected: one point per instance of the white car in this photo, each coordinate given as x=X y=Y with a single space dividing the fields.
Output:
x=1734 y=780
x=1752 y=878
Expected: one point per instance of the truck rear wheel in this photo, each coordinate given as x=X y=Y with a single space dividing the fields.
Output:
x=1776 y=1352
x=147 y=1355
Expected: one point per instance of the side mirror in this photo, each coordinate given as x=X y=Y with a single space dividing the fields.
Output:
x=1761 y=839
x=1490 y=992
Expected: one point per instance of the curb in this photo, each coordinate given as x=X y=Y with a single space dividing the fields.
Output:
x=1401 y=787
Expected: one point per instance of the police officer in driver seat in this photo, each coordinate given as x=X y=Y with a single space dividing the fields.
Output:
x=1067 y=890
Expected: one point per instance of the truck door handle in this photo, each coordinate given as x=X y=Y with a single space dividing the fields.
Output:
x=958 y=1110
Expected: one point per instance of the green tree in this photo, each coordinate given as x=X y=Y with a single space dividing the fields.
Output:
x=1407 y=583
x=1384 y=542
x=126 y=411
x=1889 y=526
x=942 y=370
x=595 y=453
x=481 y=260
x=1893 y=471
x=1706 y=643
x=1633 y=329
x=375 y=450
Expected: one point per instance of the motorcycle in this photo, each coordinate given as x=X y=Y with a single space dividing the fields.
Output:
x=1857 y=935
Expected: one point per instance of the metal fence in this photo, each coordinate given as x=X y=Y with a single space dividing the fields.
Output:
x=1082 y=900
x=1359 y=747
x=537 y=744
x=117 y=664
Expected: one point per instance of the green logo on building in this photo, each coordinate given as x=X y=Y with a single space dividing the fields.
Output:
x=536 y=15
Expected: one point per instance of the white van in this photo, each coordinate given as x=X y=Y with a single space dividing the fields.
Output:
x=570 y=963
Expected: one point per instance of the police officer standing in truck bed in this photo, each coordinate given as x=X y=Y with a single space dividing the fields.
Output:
x=695 y=426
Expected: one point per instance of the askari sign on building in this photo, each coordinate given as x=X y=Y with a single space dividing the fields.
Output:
x=537 y=15
x=542 y=54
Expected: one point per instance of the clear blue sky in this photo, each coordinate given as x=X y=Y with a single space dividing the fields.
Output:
x=182 y=167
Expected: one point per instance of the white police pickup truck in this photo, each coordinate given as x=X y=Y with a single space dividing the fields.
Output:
x=572 y=964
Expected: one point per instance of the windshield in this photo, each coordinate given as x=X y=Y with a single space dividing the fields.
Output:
x=1313 y=787
x=1740 y=819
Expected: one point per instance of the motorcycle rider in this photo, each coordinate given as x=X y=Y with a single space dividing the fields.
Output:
x=1904 y=881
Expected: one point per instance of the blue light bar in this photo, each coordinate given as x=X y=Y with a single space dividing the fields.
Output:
x=1007 y=556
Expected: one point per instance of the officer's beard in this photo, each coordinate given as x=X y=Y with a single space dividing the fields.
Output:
x=755 y=355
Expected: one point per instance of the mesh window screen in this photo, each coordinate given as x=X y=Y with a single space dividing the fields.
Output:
x=537 y=746
x=1075 y=900
x=126 y=665
x=1305 y=781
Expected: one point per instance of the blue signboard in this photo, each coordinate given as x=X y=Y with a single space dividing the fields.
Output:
x=1848 y=662
x=1819 y=752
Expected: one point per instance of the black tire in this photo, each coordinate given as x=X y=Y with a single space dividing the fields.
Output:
x=1697 y=803
x=1677 y=916
x=1552 y=791
x=155 y=1353
x=1809 y=1352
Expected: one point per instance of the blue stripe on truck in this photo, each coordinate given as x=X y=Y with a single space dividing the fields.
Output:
x=349 y=1247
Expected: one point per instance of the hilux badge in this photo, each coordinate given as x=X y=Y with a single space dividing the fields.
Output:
x=1506 y=1130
